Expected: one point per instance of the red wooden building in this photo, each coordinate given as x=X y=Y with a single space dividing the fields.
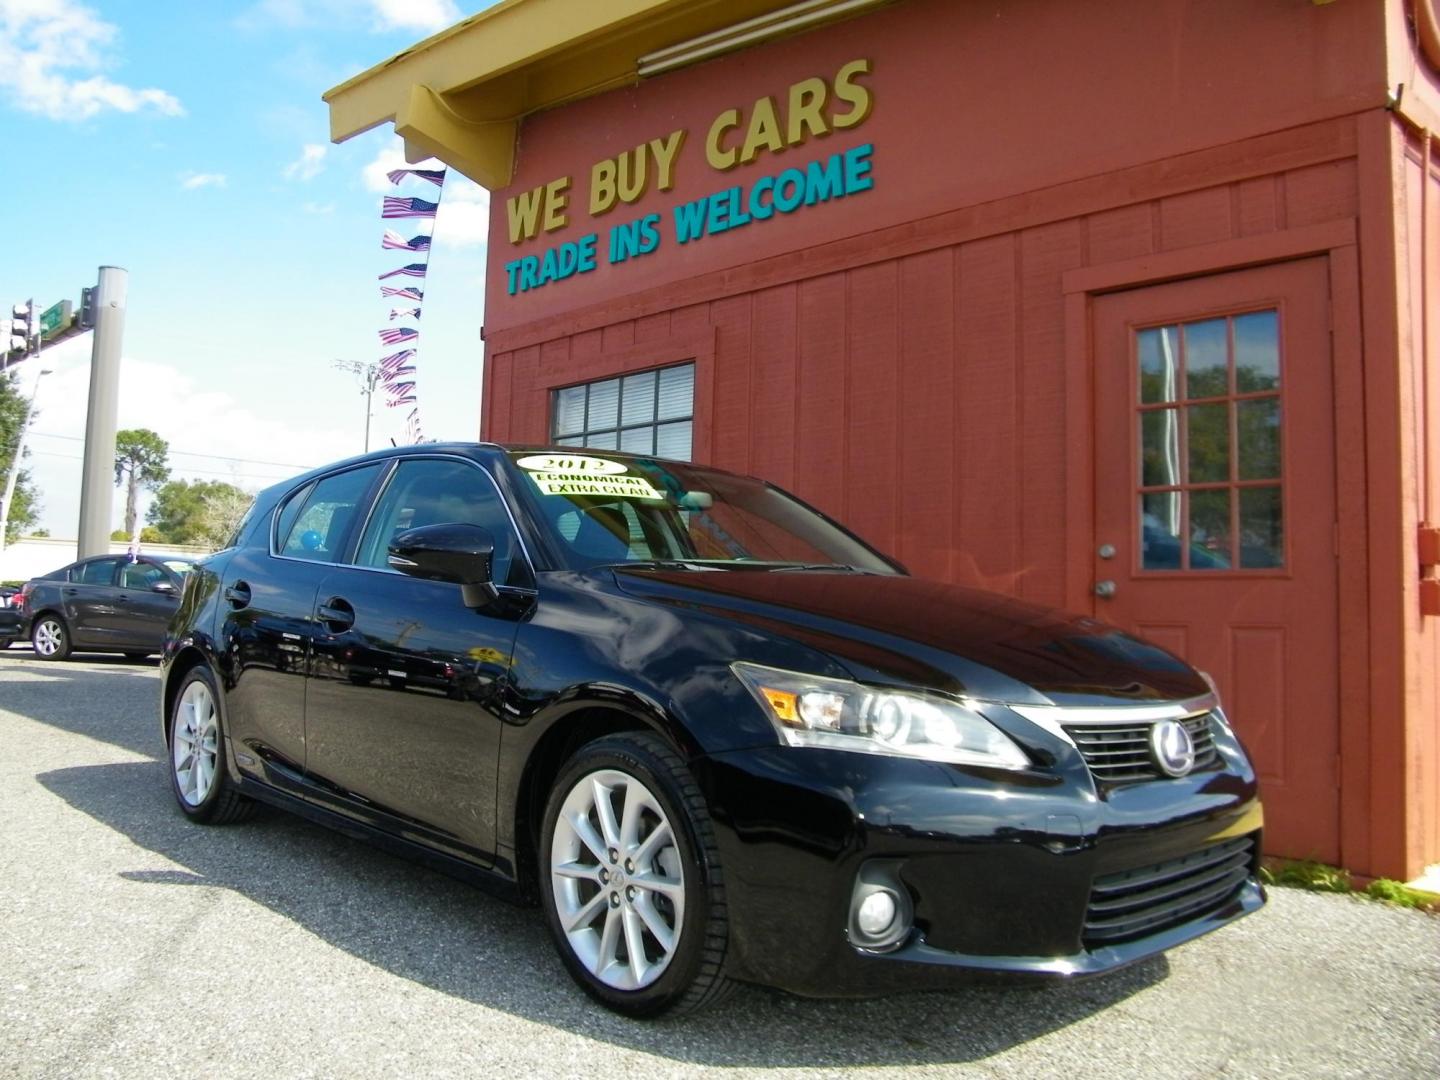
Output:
x=1132 y=308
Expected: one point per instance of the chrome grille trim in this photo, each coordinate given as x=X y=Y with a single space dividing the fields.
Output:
x=1122 y=754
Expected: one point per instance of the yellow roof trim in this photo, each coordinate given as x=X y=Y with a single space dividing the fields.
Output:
x=459 y=95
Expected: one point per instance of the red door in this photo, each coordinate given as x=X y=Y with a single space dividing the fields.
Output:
x=1215 y=513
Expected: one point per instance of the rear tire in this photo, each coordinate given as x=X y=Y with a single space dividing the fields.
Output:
x=199 y=777
x=630 y=879
x=50 y=637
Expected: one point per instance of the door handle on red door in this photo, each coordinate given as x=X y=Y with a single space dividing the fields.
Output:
x=1105 y=589
x=337 y=614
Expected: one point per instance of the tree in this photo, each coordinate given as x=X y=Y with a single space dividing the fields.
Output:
x=148 y=535
x=203 y=512
x=25 y=506
x=141 y=460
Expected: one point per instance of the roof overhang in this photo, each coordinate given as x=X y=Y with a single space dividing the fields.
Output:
x=460 y=96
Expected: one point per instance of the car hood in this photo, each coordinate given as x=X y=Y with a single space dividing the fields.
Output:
x=916 y=632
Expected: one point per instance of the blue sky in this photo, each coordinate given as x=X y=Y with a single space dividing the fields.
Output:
x=187 y=143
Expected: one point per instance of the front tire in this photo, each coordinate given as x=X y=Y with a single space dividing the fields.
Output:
x=50 y=637
x=198 y=776
x=630 y=879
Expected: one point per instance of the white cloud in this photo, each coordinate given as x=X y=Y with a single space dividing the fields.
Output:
x=191 y=181
x=464 y=216
x=429 y=15
x=309 y=164
x=50 y=54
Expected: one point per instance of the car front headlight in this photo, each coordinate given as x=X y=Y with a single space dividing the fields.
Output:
x=808 y=710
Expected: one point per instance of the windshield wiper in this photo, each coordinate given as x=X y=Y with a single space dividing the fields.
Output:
x=798 y=567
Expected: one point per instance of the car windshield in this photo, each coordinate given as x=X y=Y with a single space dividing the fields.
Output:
x=605 y=510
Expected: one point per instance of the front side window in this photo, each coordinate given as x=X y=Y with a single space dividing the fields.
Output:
x=605 y=510
x=140 y=575
x=432 y=491
x=318 y=529
x=648 y=412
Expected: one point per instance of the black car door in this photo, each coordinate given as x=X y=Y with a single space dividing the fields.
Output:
x=267 y=619
x=90 y=601
x=403 y=708
x=148 y=598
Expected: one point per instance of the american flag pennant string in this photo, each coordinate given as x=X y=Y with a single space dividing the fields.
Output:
x=401 y=313
x=394 y=360
x=412 y=270
x=399 y=372
x=394 y=240
x=408 y=399
x=407 y=293
x=399 y=206
x=396 y=334
x=435 y=176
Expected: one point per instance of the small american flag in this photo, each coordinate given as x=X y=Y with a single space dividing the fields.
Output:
x=399 y=372
x=392 y=239
x=408 y=399
x=397 y=206
x=401 y=313
x=396 y=334
x=435 y=176
x=396 y=388
x=413 y=270
x=394 y=360
x=408 y=293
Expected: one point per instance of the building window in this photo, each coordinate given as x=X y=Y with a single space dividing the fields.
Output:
x=649 y=412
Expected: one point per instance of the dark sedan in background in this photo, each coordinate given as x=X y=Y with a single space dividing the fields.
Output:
x=712 y=732
x=111 y=603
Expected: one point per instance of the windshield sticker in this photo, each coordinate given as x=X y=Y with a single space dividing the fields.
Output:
x=624 y=487
x=570 y=463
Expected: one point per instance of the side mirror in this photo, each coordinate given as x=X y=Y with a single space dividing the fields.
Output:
x=453 y=552
x=163 y=587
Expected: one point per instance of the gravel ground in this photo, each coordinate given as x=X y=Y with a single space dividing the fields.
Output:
x=135 y=944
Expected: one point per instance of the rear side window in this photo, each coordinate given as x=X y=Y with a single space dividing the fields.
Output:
x=319 y=529
x=139 y=575
x=98 y=572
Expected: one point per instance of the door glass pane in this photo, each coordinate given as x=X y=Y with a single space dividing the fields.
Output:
x=604 y=404
x=1159 y=363
x=677 y=393
x=1210 y=530
x=1207 y=363
x=1262 y=532
x=605 y=440
x=1160 y=447
x=1209 y=438
x=1257 y=352
x=1257 y=427
x=638 y=404
x=319 y=531
x=570 y=410
x=99 y=572
x=577 y=441
x=638 y=440
x=1160 y=516
x=673 y=441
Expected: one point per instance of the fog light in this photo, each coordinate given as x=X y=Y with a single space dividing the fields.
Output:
x=877 y=912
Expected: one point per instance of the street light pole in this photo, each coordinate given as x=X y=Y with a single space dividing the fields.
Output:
x=368 y=376
x=14 y=474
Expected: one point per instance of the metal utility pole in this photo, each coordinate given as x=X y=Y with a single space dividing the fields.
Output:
x=368 y=376
x=97 y=481
x=15 y=463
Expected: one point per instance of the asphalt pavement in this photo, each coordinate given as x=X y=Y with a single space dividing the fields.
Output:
x=133 y=943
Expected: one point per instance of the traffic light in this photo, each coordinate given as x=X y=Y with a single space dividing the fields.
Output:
x=87 y=308
x=22 y=329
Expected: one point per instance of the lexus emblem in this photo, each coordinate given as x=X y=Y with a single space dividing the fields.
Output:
x=1172 y=748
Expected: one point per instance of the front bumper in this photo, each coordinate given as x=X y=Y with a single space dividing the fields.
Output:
x=1002 y=868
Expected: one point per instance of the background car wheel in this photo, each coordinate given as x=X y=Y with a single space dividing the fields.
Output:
x=198 y=776
x=50 y=637
x=631 y=881
x=6 y=642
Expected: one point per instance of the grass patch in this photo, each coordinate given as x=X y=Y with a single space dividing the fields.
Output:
x=1320 y=877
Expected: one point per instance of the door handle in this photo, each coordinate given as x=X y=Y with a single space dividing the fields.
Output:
x=238 y=595
x=1105 y=589
x=71 y=592
x=337 y=614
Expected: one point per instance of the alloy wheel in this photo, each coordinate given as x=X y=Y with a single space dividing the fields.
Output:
x=49 y=636
x=196 y=743
x=618 y=879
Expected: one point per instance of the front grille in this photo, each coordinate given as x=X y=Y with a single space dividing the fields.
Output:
x=1135 y=903
x=1120 y=753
